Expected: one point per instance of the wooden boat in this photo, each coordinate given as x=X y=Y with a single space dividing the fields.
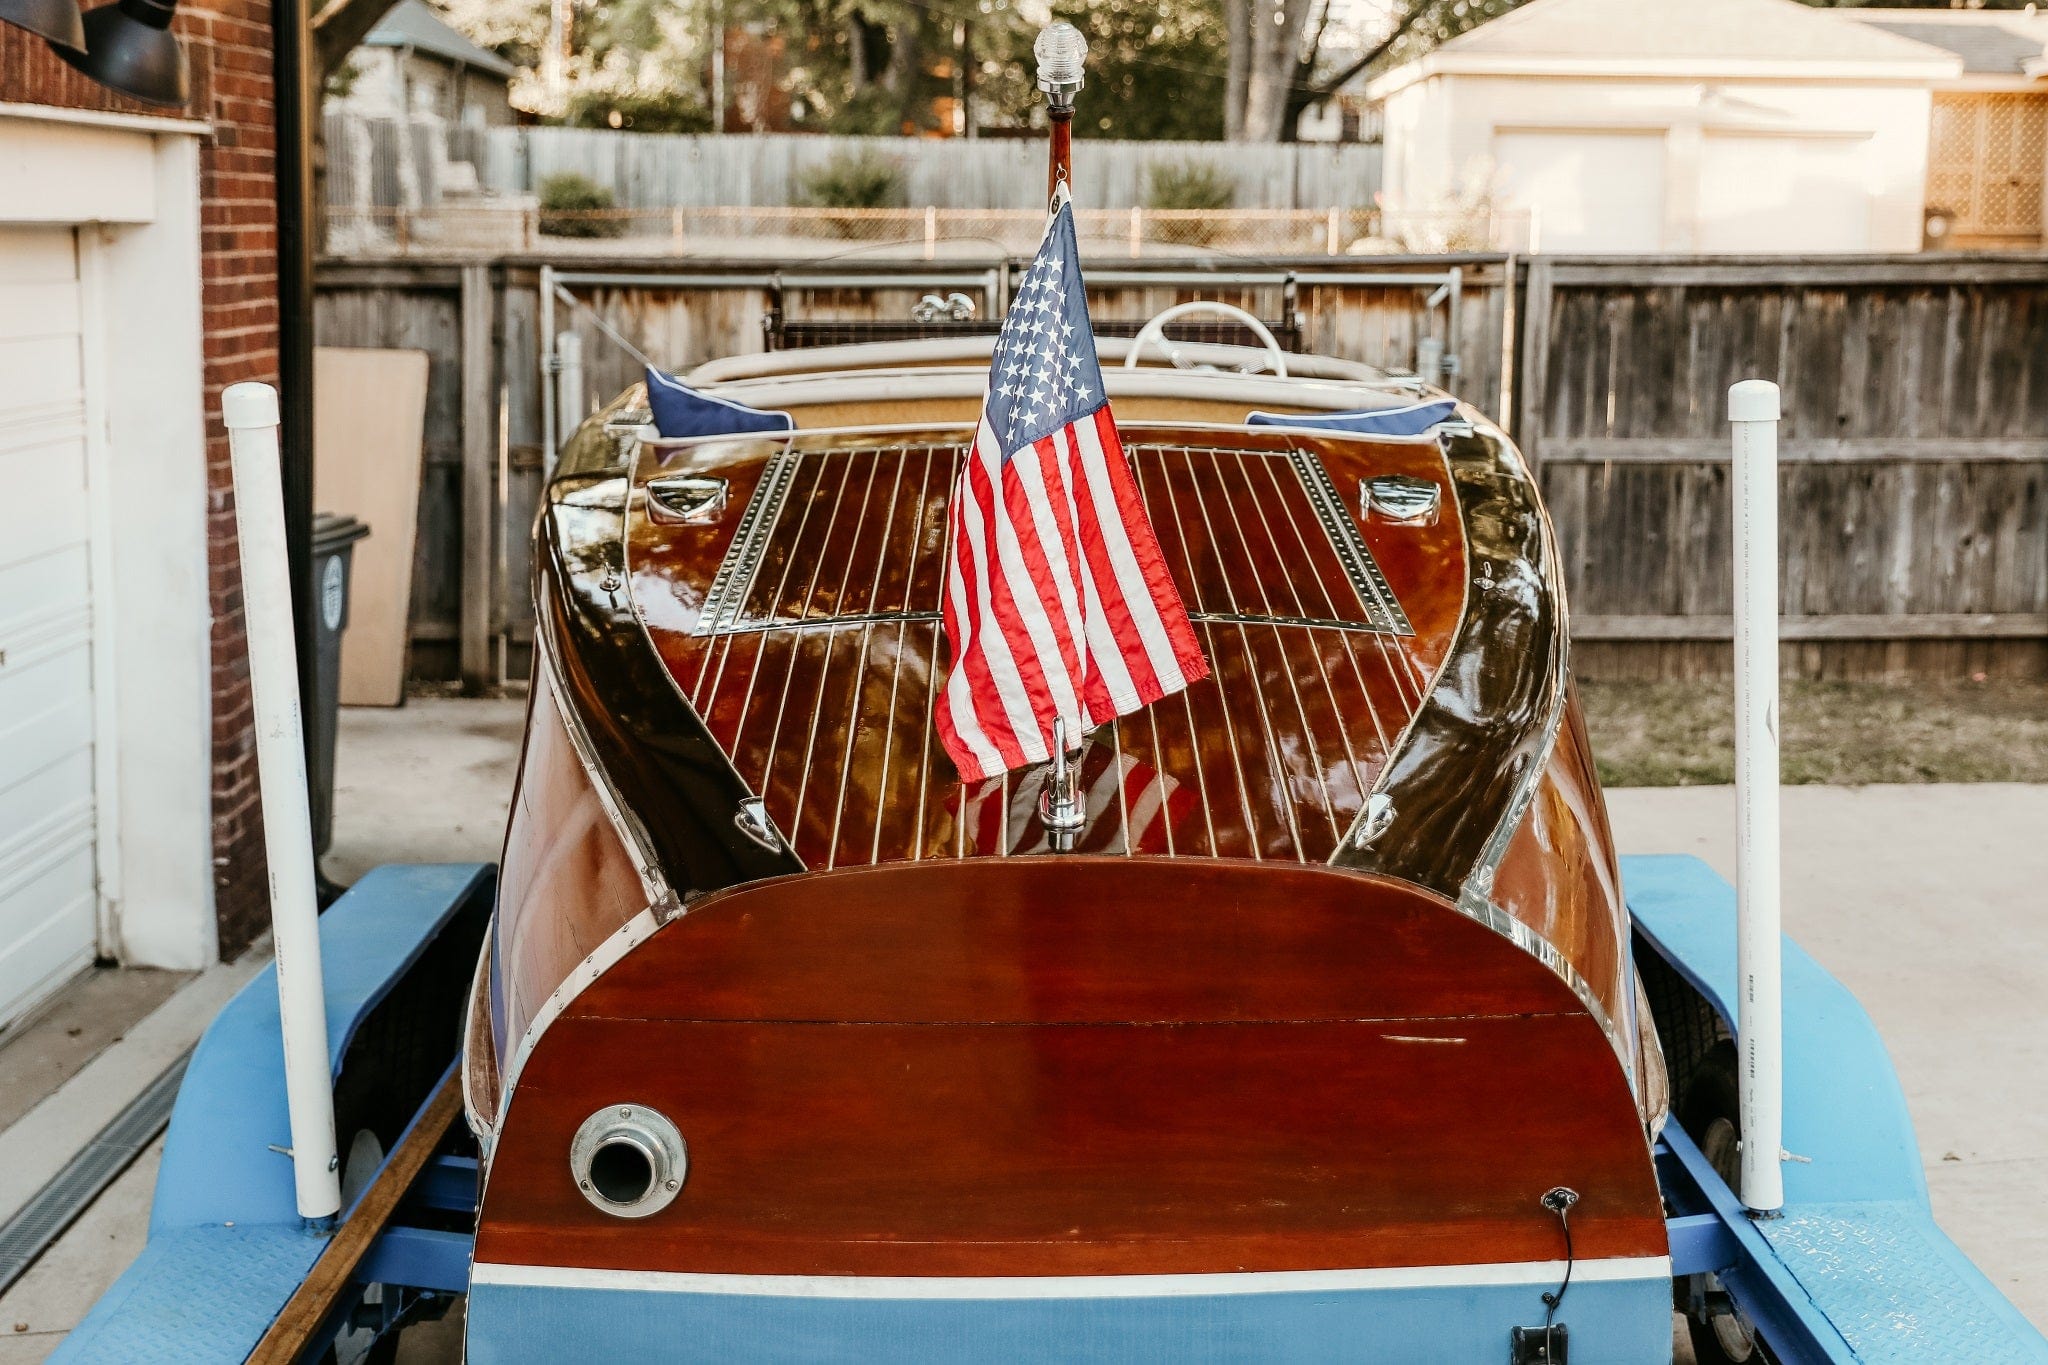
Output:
x=1340 y=919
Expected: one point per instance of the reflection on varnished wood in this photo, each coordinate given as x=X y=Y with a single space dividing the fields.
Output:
x=1559 y=875
x=567 y=882
x=829 y=718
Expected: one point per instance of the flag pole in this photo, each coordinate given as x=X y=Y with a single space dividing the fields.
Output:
x=1062 y=54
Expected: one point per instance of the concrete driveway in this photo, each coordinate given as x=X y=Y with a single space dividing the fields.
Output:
x=1931 y=905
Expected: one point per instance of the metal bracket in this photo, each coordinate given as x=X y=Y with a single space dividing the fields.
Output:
x=1059 y=800
x=751 y=819
x=1539 y=1345
x=1377 y=820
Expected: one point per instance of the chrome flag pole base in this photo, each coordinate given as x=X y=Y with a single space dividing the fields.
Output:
x=1059 y=803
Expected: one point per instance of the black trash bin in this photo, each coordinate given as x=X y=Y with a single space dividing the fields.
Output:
x=333 y=540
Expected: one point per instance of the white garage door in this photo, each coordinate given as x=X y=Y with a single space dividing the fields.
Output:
x=1586 y=191
x=48 y=883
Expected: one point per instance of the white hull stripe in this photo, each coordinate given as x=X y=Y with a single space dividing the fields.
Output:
x=1545 y=1273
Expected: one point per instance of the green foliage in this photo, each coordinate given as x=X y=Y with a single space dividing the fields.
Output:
x=854 y=180
x=1429 y=24
x=1189 y=185
x=638 y=111
x=343 y=78
x=874 y=112
x=1198 y=186
x=1155 y=69
x=573 y=205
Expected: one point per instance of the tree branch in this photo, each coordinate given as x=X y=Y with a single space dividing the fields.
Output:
x=1316 y=91
x=1305 y=63
x=340 y=26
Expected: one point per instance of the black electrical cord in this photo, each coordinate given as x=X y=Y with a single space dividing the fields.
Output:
x=1559 y=1201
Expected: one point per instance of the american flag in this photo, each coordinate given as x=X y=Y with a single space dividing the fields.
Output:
x=1058 y=604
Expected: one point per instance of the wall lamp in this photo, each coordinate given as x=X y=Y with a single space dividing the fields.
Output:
x=126 y=46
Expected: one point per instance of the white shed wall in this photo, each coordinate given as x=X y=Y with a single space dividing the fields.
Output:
x=1820 y=166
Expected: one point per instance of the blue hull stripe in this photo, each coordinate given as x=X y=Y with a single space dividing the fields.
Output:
x=1623 y=1321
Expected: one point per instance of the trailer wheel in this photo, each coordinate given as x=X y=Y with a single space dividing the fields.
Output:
x=1711 y=1117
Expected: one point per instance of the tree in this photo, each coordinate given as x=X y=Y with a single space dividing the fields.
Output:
x=1156 y=70
x=1279 y=66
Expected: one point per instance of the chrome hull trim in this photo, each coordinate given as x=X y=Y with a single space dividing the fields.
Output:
x=727 y=595
x=1359 y=566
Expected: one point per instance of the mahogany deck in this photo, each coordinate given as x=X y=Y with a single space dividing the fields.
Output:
x=1081 y=1065
x=815 y=663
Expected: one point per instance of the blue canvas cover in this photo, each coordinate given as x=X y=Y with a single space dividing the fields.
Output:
x=1412 y=420
x=680 y=410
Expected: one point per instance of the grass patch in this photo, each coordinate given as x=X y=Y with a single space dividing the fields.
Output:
x=1681 y=734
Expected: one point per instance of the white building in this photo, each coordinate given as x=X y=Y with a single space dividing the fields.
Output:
x=105 y=715
x=1672 y=125
x=415 y=67
x=1988 y=144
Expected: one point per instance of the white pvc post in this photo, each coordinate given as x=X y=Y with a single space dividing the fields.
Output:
x=250 y=412
x=1753 y=413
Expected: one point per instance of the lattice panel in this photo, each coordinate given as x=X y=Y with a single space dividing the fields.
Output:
x=1986 y=159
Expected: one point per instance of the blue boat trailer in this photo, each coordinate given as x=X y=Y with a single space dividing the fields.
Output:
x=1854 y=1271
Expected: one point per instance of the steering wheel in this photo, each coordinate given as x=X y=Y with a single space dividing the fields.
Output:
x=1155 y=332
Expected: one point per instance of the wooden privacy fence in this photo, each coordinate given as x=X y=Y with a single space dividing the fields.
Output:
x=1915 y=447
x=1914 y=494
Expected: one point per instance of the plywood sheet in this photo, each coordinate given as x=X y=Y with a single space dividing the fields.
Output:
x=369 y=417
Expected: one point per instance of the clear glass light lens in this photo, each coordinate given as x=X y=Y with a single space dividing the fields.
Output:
x=1061 y=53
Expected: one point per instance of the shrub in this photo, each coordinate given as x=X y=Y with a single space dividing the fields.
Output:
x=639 y=111
x=874 y=112
x=853 y=180
x=1189 y=185
x=573 y=205
x=1193 y=187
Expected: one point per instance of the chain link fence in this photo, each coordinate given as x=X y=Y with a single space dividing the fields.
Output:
x=518 y=225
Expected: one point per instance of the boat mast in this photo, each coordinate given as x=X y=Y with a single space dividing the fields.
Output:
x=1062 y=54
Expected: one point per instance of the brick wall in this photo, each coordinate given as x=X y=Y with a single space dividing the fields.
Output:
x=229 y=45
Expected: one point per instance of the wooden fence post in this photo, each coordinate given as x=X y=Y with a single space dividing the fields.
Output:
x=1532 y=360
x=479 y=458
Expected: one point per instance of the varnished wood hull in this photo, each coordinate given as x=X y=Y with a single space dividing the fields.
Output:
x=1081 y=1066
x=1230 y=1034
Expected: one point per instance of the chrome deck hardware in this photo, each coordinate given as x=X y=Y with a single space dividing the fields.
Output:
x=753 y=821
x=954 y=307
x=629 y=1160
x=1059 y=801
x=1377 y=819
x=1402 y=497
x=694 y=498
